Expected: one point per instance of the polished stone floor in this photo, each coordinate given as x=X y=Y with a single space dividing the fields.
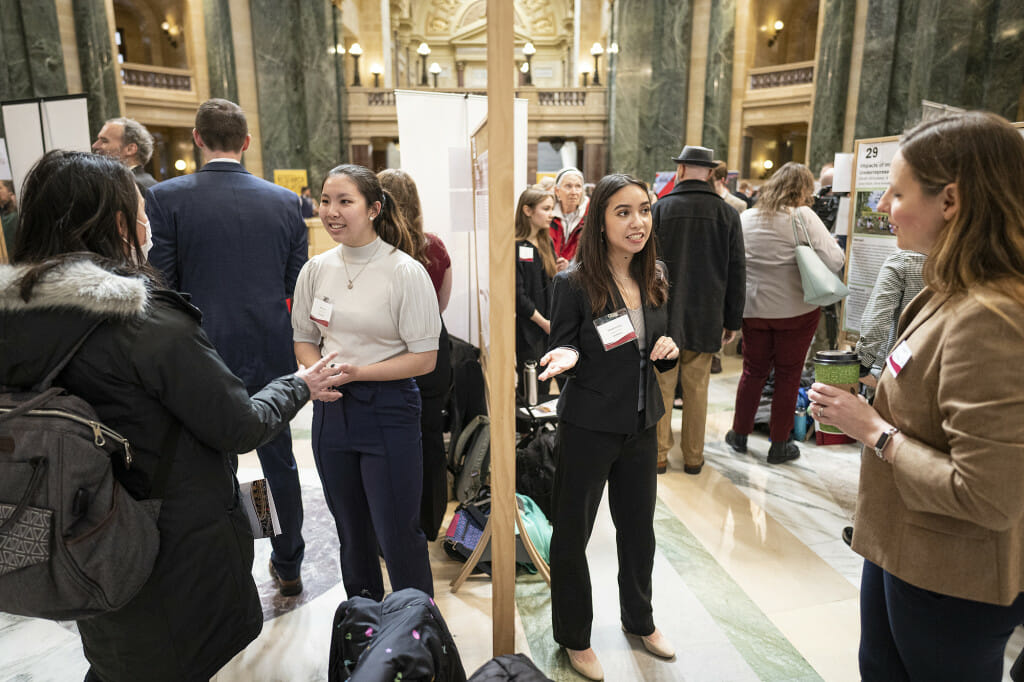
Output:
x=751 y=580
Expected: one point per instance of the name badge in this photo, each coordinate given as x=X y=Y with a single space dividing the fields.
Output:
x=321 y=311
x=526 y=254
x=615 y=329
x=898 y=359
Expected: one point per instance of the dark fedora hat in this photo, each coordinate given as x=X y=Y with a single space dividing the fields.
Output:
x=693 y=155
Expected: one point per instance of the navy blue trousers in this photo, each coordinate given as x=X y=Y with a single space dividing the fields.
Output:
x=909 y=633
x=368 y=454
x=278 y=463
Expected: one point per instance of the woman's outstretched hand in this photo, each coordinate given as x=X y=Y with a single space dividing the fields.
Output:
x=557 y=361
x=321 y=379
x=664 y=349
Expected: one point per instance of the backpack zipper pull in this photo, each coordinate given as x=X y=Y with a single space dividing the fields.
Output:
x=97 y=434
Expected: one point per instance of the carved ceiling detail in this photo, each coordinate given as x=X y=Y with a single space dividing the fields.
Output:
x=445 y=17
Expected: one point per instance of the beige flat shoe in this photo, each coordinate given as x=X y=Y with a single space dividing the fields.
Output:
x=585 y=663
x=656 y=643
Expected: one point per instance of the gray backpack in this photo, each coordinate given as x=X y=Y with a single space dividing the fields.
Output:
x=473 y=458
x=73 y=542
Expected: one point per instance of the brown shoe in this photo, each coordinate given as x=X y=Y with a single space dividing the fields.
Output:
x=287 y=588
x=662 y=467
x=716 y=365
x=693 y=469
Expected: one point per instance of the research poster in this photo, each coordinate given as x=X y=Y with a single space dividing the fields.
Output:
x=869 y=240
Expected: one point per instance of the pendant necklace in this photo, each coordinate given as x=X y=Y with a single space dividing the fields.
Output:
x=351 y=279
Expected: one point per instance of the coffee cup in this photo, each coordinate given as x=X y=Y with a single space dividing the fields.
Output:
x=839 y=368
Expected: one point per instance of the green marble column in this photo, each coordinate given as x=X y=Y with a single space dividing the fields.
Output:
x=31 y=59
x=832 y=77
x=97 y=61
x=297 y=85
x=876 y=69
x=1005 y=67
x=649 y=87
x=220 y=49
x=718 y=79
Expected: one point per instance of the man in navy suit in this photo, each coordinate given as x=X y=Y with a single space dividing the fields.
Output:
x=236 y=243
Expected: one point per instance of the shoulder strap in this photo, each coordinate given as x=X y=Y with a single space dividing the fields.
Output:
x=797 y=221
x=47 y=381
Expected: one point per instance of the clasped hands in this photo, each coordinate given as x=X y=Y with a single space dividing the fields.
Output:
x=559 y=360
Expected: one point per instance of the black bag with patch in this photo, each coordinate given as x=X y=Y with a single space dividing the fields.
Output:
x=536 y=457
x=73 y=542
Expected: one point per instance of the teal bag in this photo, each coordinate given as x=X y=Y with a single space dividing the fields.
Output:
x=537 y=527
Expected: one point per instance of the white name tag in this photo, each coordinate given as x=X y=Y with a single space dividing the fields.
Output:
x=526 y=254
x=615 y=329
x=321 y=312
x=898 y=359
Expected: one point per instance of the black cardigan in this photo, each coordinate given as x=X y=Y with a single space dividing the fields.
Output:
x=603 y=388
x=533 y=293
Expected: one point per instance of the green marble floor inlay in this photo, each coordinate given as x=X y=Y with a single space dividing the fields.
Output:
x=764 y=648
x=760 y=643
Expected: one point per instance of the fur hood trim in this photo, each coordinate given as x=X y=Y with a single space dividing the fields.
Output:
x=81 y=285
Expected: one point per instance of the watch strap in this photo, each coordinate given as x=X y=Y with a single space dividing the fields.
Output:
x=883 y=440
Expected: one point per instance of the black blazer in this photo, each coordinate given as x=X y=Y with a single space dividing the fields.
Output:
x=533 y=293
x=603 y=389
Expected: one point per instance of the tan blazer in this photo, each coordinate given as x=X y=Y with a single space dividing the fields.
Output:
x=948 y=514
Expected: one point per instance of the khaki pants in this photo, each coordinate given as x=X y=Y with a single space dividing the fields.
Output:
x=693 y=372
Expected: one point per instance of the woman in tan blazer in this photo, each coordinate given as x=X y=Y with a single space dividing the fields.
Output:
x=940 y=511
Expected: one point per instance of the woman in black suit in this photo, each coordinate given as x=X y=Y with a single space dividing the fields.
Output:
x=535 y=266
x=608 y=330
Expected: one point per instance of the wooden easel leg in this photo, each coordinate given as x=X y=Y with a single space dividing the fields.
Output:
x=535 y=557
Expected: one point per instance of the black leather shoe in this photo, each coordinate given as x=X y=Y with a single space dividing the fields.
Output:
x=663 y=468
x=782 y=452
x=848 y=535
x=287 y=588
x=693 y=470
x=716 y=365
x=735 y=441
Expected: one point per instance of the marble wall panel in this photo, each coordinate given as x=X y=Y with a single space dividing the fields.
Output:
x=30 y=48
x=831 y=80
x=876 y=68
x=648 y=95
x=297 y=85
x=718 y=78
x=220 y=49
x=1005 y=68
x=97 y=61
x=902 y=66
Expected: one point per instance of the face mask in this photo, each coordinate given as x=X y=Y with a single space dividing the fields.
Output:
x=148 y=244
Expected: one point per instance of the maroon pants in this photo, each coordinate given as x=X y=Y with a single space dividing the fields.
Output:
x=773 y=343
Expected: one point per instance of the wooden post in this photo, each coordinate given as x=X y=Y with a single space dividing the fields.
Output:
x=500 y=368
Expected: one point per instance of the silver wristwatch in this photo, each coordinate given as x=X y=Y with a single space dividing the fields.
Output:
x=883 y=440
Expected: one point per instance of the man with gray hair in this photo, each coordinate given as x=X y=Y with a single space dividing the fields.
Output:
x=129 y=142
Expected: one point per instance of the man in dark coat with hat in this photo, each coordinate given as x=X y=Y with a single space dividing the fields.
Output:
x=700 y=238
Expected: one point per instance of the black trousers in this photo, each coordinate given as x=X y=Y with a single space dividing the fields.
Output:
x=586 y=460
x=909 y=633
x=434 y=389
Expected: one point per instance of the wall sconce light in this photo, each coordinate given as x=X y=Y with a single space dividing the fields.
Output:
x=773 y=38
x=585 y=73
x=376 y=70
x=435 y=71
x=528 y=51
x=768 y=164
x=423 y=50
x=613 y=48
x=171 y=32
x=356 y=53
x=336 y=49
x=597 y=51
x=180 y=165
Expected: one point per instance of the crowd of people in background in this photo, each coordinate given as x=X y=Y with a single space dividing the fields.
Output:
x=622 y=299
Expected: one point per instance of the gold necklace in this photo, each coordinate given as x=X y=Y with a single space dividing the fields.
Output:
x=624 y=291
x=351 y=280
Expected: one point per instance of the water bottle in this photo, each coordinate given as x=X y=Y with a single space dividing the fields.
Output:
x=800 y=423
x=530 y=382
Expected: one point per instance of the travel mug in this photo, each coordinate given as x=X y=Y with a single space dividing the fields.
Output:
x=839 y=368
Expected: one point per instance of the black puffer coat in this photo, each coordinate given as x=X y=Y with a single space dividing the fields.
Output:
x=148 y=368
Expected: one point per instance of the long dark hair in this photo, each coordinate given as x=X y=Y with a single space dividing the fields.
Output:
x=403 y=188
x=70 y=204
x=592 y=271
x=390 y=224
x=532 y=196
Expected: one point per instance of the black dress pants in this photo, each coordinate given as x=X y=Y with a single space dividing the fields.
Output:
x=586 y=460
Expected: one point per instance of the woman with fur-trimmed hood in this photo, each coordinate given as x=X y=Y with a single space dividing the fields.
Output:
x=150 y=373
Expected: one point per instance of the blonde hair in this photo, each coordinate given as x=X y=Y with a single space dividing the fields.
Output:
x=789 y=187
x=532 y=196
x=983 y=243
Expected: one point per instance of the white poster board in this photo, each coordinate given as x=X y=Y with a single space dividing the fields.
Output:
x=5 y=164
x=36 y=126
x=869 y=240
x=434 y=130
